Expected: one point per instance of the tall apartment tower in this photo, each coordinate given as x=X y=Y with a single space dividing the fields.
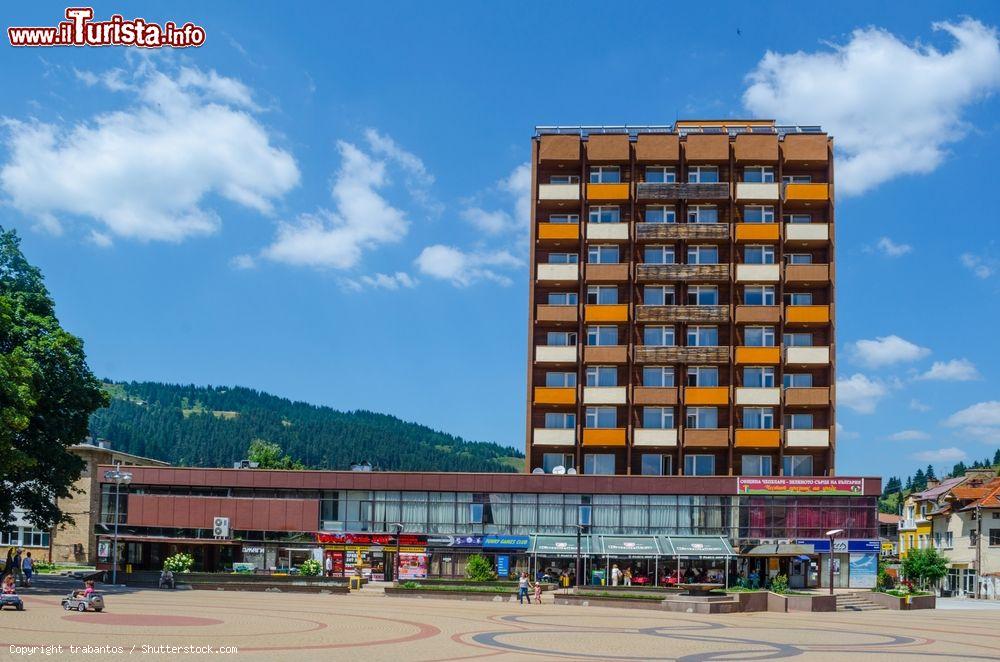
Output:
x=682 y=300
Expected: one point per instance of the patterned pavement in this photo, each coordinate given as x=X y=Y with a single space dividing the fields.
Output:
x=272 y=626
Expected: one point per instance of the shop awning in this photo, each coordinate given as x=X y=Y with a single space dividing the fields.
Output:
x=696 y=546
x=635 y=546
x=560 y=545
x=780 y=550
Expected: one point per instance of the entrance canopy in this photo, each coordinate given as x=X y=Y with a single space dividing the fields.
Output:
x=781 y=550
x=560 y=545
x=632 y=546
x=696 y=546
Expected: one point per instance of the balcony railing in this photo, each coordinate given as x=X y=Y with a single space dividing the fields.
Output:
x=710 y=272
x=647 y=354
x=683 y=191
x=682 y=313
x=668 y=231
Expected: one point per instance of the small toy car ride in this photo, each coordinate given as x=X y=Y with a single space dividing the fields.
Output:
x=94 y=602
x=11 y=600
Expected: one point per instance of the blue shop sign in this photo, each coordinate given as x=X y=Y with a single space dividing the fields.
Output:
x=506 y=542
x=840 y=545
x=503 y=565
x=455 y=541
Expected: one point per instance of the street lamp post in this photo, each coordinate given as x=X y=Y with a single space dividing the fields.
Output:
x=583 y=514
x=119 y=477
x=399 y=532
x=830 y=535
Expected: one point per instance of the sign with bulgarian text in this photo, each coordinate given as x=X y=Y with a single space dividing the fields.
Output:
x=386 y=539
x=787 y=485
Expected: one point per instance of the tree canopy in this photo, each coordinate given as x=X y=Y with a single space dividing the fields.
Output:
x=925 y=566
x=47 y=393
x=269 y=456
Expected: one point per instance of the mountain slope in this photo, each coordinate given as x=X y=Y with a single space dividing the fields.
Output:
x=213 y=426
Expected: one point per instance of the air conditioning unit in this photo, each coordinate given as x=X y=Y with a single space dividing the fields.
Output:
x=220 y=527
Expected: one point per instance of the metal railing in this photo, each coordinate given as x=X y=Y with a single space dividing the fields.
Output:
x=632 y=130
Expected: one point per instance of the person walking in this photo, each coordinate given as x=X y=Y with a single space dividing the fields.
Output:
x=16 y=568
x=616 y=575
x=628 y=576
x=522 y=589
x=538 y=593
x=329 y=565
x=28 y=568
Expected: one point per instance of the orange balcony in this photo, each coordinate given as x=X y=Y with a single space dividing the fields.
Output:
x=706 y=395
x=807 y=192
x=758 y=355
x=549 y=395
x=607 y=191
x=758 y=438
x=617 y=312
x=558 y=231
x=807 y=314
x=757 y=231
x=604 y=436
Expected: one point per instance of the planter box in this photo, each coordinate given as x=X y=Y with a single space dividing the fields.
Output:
x=785 y=603
x=903 y=604
x=497 y=596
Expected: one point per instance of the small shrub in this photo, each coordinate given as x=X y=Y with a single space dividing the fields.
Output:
x=310 y=568
x=179 y=563
x=779 y=584
x=410 y=585
x=479 y=569
x=44 y=566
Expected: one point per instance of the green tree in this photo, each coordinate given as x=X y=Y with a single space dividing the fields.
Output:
x=958 y=470
x=269 y=456
x=925 y=566
x=930 y=473
x=47 y=393
x=479 y=569
x=919 y=480
x=996 y=457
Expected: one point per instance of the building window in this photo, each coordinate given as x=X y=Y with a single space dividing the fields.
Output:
x=661 y=174
x=758 y=214
x=702 y=418
x=599 y=336
x=660 y=214
x=602 y=294
x=798 y=340
x=703 y=174
x=564 y=218
x=703 y=336
x=758 y=377
x=605 y=175
x=552 y=460
x=604 y=215
x=759 y=255
x=703 y=295
x=758 y=174
x=602 y=417
x=798 y=465
x=658 y=295
x=561 y=338
x=703 y=214
x=758 y=418
x=559 y=421
x=702 y=375
x=703 y=255
x=758 y=336
x=797 y=179
x=560 y=379
x=602 y=375
x=562 y=298
x=26 y=536
x=799 y=258
x=659 y=255
x=798 y=218
x=564 y=179
x=799 y=421
x=563 y=258
x=655 y=464
x=756 y=465
x=658 y=376
x=994 y=537
x=658 y=418
x=798 y=298
x=699 y=465
x=603 y=254
x=599 y=463
x=758 y=295
x=797 y=380
x=658 y=336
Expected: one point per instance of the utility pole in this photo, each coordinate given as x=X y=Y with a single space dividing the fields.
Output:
x=979 y=546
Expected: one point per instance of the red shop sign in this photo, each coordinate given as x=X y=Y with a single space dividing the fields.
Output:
x=405 y=540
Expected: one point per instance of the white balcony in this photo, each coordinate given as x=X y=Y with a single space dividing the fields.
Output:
x=558 y=191
x=807 y=355
x=555 y=354
x=756 y=191
x=654 y=437
x=608 y=231
x=604 y=395
x=559 y=272
x=554 y=437
x=807 y=232
x=807 y=438
x=758 y=396
x=758 y=273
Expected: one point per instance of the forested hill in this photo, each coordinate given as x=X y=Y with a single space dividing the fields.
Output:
x=213 y=426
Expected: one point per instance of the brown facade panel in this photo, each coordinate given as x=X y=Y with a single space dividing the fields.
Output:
x=647 y=395
x=706 y=438
x=546 y=313
x=706 y=147
x=608 y=147
x=758 y=314
x=647 y=354
x=807 y=397
x=756 y=148
x=613 y=354
x=185 y=512
x=807 y=273
x=673 y=231
x=559 y=148
x=657 y=147
x=716 y=314
x=800 y=148
x=657 y=272
x=607 y=273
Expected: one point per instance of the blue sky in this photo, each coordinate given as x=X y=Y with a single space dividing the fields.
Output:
x=327 y=203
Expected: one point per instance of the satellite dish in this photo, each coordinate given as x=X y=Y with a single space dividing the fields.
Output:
x=538 y=470
x=559 y=471
x=571 y=471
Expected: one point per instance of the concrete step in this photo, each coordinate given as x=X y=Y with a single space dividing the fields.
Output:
x=856 y=602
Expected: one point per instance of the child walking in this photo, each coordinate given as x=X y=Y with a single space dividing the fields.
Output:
x=538 y=592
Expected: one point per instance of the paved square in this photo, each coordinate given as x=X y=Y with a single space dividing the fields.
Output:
x=272 y=626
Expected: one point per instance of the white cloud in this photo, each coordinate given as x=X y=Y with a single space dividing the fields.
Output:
x=909 y=435
x=465 y=268
x=490 y=222
x=395 y=281
x=844 y=433
x=980 y=421
x=242 y=262
x=891 y=106
x=860 y=393
x=980 y=266
x=917 y=405
x=887 y=350
x=950 y=454
x=145 y=172
x=956 y=370
x=417 y=178
x=891 y=248
x=513 y=220
x=361 y=219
